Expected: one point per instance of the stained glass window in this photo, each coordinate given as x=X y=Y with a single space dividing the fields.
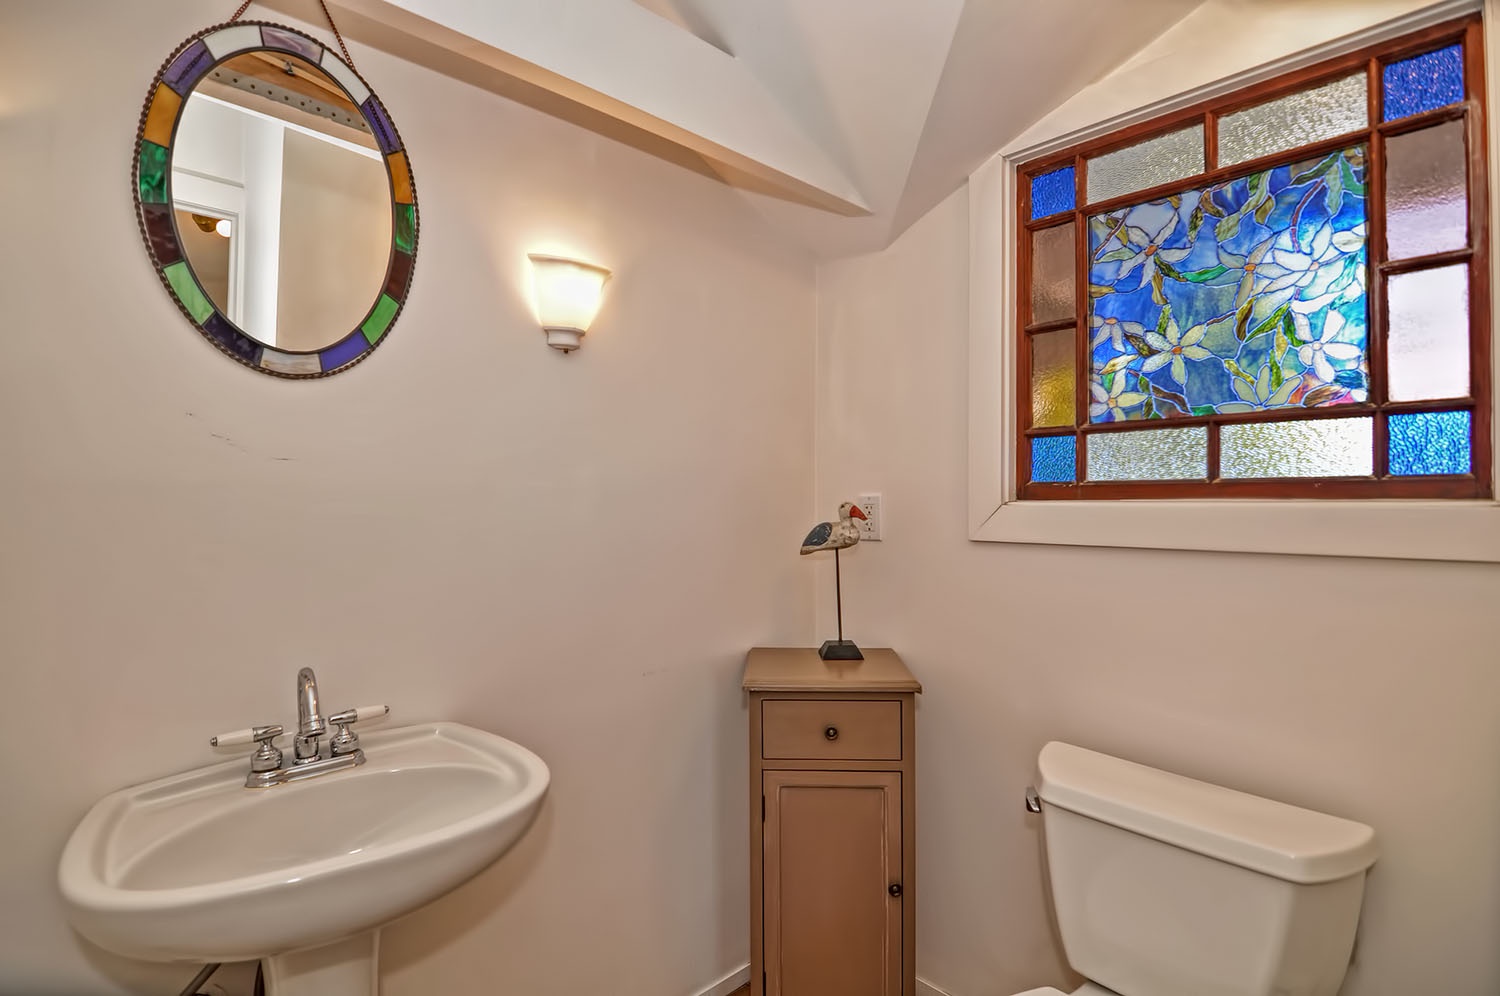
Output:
x=1180 y=311
x=1248 y=295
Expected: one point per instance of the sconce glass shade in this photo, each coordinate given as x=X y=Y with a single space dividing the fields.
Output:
x=567 y=297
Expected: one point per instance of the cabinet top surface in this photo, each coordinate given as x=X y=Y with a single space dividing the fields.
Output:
x=799 y=669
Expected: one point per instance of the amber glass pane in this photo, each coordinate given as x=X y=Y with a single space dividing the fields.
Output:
x=1428 y=351
x=1426 y=191
x=1052 y=270
x=1052 y=380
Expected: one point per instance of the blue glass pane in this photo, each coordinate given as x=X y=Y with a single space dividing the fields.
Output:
x=1435 y=79
x=1429 y=443
x=1054 y=459
x=1247 y=295
x=1052 y=193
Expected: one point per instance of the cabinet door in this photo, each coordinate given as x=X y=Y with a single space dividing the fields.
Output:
x=832 y=852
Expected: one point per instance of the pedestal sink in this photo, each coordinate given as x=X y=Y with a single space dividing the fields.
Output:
x=196 y=867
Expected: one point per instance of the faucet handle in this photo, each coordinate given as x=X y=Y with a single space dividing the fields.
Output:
x=238 y=738
x=267 y=756
x=346 y=741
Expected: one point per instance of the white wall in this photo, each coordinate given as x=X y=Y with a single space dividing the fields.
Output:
x=1364 y=688
x=468 y=525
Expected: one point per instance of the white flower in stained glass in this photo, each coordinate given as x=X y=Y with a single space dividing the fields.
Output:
x=1172 y=345
x=1292 y=268
x=1142 y=250
x=1256 y=396
x=1114 y=330
x=1315 y=355
x=1253 y=266
x=1115 y=401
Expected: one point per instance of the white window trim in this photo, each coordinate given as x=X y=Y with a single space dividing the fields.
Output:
x=1418 y=530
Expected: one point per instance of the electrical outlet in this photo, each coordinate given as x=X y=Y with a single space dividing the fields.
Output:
x=869 y=527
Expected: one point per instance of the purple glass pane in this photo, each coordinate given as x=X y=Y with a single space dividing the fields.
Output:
x=1424 y=82
x=1426 y=191
x=232 y=340
x=290 y=41
x=342 y=352
x=156 y=219
x=188 y=67
x=380 y=125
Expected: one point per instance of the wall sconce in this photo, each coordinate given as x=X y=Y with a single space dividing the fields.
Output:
x=567 y=297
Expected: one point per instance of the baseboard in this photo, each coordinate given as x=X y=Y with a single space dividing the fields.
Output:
x=729 y=983
x=732 y=982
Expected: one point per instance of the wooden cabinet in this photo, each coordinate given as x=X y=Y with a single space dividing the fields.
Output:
x=832 y=836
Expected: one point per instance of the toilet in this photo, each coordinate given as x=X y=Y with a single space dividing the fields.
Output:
x=1167 y=886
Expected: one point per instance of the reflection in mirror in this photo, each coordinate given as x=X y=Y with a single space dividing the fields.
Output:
x=275 y=199
x=273 y=143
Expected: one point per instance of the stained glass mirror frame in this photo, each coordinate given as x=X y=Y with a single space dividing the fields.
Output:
x=151 y=185
x=1419 y=449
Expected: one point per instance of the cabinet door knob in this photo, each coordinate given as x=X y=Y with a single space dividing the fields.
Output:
x=832 y=733
x=895 y=889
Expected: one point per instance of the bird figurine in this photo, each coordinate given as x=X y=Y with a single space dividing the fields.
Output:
x=837 y=536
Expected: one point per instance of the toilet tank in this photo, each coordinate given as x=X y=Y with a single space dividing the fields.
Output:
x=1167 y=886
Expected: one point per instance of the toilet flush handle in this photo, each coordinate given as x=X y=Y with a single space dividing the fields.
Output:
x=1033 y=801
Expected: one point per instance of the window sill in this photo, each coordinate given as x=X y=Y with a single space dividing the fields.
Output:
x=1408 y=530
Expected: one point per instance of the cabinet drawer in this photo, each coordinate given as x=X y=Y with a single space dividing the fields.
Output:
x=830 y=729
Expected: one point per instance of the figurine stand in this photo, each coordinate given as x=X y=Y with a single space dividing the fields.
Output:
x=840 y=649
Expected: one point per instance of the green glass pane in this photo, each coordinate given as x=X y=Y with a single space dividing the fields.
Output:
x=185 y=286
x=1149 y=455
x=380 y=319
x=1052 y=379
x=1238 y=296
x=153 y=173
x=406 y=227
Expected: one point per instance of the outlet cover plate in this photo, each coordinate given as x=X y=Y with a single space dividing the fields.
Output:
x=869 y=529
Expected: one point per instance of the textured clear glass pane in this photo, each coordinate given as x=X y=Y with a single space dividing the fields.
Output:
x=1429 y=443
x=1297 y=119
x=1149 y=455
x=1328 y=447
x=1434 y=79
x=1428 y=351
x=1246 y=295
x=1052 y=380
x=1157 y=160
x=1054 y=459
x=1426 y=191
x=1052 y=193
x=1052 y=269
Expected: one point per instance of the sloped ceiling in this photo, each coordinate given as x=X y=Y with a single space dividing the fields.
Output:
x=843 y=121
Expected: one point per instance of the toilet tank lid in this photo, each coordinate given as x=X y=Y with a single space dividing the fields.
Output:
x=1290 y=843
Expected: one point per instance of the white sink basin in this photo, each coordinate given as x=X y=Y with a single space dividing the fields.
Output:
x=196 y=867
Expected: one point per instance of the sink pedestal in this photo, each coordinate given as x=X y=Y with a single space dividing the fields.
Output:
x=343 y=968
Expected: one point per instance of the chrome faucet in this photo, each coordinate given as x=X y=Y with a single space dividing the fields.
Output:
x=307 y=759
x=310 y=722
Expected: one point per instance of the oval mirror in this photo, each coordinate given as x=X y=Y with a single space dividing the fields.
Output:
x=275 y=199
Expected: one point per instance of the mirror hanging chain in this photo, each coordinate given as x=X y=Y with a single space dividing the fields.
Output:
x=329 y=17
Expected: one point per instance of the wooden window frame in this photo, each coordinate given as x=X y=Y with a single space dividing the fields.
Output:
x=1467 y=31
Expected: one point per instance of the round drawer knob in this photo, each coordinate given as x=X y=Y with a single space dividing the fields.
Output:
x=832 y=733
x=895 y=889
